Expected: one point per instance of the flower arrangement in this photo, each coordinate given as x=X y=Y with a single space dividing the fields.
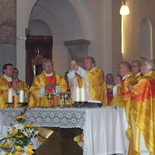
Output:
x=18 y=141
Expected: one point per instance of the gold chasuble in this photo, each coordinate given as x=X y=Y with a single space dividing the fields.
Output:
x=138 y=77
x=143 y=113
x=4 y=86
x=39 y=82
x=97 y=85
x=123 y=96
x=22 y=86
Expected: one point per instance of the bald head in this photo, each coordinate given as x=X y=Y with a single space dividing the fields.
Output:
x=48 y=66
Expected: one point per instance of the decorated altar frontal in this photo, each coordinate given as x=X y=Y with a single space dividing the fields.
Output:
x=104 y=128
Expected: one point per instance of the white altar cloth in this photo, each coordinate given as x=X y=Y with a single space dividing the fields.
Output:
x=104 y=129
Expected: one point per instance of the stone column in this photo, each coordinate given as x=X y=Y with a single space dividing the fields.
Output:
x=7 y=32
x=78 y=49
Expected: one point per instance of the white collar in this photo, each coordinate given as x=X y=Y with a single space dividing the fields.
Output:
x=51 y=74
x=110 y=85
x=138 y=74
x=8 y=78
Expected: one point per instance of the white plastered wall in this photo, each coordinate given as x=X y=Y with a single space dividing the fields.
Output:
x=139 y=10
x=93 y=21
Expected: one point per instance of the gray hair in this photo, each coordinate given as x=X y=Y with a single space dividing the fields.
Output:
x=149 y=64
x=47 y=60
x=126 y=64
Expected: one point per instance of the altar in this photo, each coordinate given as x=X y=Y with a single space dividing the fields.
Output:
x=104 y=128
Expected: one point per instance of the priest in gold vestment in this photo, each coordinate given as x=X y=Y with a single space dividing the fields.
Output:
x=9 y=82
x=123 y=94
x=47 y=82
x=5 y=84
x=91 y=77
x=143 y=110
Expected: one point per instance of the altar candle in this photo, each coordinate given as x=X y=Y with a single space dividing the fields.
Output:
x=10 y=94
x=77 y=95
x=82 y=94
x=21 y=96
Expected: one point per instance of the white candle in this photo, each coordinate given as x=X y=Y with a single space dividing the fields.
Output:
x=10 y=94
x=21 y=96
x=83 y=95
x=77 y=94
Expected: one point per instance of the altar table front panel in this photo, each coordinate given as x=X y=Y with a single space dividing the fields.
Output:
x=104 y=128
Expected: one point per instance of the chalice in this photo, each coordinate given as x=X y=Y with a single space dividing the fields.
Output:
x=63 y=96
x=49 y=98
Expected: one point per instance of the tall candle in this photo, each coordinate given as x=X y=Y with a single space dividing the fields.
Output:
x=82 y=94
x=21 y=96
x=10 y=94
x=77 y=94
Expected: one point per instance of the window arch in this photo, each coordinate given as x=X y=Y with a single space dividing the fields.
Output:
x=146 y=39
x=153 y=42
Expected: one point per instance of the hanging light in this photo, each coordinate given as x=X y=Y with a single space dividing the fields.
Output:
x=124 y=10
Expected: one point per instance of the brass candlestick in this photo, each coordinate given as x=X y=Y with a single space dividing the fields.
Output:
x=63 y=96
x=9 y=104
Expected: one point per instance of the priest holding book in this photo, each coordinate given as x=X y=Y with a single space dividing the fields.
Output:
x=89 y=80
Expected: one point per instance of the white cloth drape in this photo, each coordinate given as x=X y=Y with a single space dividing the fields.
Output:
x=104 y=131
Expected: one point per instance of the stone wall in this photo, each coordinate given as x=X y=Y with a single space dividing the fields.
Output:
x=7 y=32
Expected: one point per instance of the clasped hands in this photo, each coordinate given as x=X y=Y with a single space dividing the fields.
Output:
x=14 y=86
x=50 y=86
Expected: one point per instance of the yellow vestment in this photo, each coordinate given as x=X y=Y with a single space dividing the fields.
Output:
x=138 y=77
x=143 y=112
x=4 y=92
x=39 y=82
x=96 y=84
x=123 y=96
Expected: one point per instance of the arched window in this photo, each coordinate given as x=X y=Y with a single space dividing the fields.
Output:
x=145 y=40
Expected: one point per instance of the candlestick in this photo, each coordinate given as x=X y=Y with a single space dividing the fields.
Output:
x=10 y=94
x=82 y=94
x=21 y=96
